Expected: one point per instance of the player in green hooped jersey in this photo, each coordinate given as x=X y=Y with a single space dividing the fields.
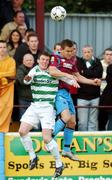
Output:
x=44 y=88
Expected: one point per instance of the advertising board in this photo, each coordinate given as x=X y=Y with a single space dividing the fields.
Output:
x=94 y=150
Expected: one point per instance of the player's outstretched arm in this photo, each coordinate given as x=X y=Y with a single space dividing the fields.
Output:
x=71 y=82
x=57 y=73
x=84 y=80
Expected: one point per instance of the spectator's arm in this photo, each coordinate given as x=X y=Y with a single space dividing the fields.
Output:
x=20 y=75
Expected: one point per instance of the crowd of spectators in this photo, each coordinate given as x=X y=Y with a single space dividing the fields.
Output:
x=21 y=54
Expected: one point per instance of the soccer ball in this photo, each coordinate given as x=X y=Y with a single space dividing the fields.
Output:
x=58 y=13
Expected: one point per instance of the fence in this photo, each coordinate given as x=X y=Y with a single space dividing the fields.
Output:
x=93 y=29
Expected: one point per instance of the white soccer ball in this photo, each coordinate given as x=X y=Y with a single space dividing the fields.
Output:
x=58 y=13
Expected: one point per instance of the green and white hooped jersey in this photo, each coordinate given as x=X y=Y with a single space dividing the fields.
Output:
x=43 y=86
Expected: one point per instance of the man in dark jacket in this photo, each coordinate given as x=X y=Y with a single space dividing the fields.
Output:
x=88 y=95
x=23 y=90
x=106 y=98
x=30 y=46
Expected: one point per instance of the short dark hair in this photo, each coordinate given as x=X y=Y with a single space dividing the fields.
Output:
x=44 y=53
x=17 y=12
x=29 y=30
x=66 y=42
x=32 y=34
x=2 y=41
x=57 y=44
x=107 y=49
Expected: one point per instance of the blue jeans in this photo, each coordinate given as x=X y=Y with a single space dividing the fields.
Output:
x=87 y=117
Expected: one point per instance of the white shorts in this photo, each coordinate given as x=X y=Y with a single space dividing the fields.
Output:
x=42 y=112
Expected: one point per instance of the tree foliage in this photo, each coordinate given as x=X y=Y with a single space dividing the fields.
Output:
x=74 y=6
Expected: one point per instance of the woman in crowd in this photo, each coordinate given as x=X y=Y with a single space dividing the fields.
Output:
x=15 y=39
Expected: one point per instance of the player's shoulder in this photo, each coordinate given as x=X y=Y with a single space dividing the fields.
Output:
x=35 y=68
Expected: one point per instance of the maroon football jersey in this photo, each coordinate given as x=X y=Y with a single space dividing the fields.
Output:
x=64 y=65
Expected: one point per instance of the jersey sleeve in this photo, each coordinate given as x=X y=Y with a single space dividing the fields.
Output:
x=32 y=72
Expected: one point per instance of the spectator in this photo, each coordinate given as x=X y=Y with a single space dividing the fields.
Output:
x=23 y=90
x=18 y=19
x=15 y=39
x=106 y=98
x=88 y=95
x=31 y=47
x=17 y=5
x=22 y=29
x=8 y=9
x=27 y=32
x=106 y=61
x=57 y=48
x=7 y=74
x=23 y=48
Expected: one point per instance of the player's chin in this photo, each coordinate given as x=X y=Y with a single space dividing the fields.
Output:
x=44 y=67
x=69 y=57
